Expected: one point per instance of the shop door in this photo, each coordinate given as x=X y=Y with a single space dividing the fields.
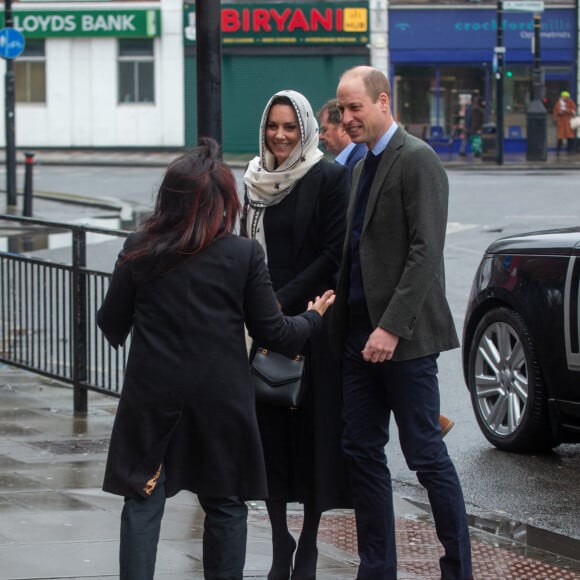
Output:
x=249 y=81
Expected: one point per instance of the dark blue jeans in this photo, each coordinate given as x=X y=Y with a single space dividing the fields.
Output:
x=409 y=390
x=224 y=537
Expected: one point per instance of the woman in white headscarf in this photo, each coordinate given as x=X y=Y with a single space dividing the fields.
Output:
x=295 y=204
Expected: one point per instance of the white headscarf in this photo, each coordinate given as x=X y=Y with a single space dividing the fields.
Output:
x=268 y=185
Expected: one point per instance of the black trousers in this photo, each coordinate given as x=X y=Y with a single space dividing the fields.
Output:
x=224 y=537
x=409 y=392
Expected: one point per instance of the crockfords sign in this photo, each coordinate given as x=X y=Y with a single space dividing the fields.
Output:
x=118 y=23
x=477 y=30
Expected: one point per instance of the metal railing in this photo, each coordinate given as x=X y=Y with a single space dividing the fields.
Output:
x=48 y=311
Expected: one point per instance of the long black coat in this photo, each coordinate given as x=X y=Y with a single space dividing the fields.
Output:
x=187 y=401
x=304 y=236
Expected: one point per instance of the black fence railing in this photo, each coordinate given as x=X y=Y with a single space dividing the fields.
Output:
x=48 y=309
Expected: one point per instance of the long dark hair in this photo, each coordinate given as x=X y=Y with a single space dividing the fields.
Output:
x=197 y=203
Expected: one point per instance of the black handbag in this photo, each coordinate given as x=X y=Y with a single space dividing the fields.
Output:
x=278 y=379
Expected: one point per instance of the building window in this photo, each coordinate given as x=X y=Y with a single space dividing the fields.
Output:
x=30 y=73
x=136 y=72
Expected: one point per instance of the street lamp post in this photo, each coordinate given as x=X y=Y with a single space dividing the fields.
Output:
x=499 y=54
x=537 y=123
x=209 y=69
x=9 y=118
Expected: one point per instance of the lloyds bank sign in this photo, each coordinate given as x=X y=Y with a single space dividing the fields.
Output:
x=117 y=23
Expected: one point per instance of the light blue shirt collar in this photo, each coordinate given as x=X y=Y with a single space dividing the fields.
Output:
x=384 y=140
x=343 y=155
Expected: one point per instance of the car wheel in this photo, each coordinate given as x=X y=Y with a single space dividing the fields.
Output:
x=506 y=386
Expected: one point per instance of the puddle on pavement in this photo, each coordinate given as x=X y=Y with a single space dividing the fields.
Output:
x=71 y=476
x=16 y=482
x=42 y=501
x=528 y=535
x=11 y=429
x=22 y=239
x=8 y=462
x=518 y=536
x=92 y=412
x=73 y=446
x=16 y=414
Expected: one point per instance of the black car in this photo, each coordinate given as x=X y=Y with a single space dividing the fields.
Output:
x=521 y=341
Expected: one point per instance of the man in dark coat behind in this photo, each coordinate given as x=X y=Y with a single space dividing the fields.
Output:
x=336 y=140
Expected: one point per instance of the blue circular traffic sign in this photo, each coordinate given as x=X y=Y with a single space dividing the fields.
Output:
x=11 y=43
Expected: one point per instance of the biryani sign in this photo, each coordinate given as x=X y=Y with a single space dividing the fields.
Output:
x=328 y=23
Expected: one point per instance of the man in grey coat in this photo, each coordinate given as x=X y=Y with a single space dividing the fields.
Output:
x=390 y=321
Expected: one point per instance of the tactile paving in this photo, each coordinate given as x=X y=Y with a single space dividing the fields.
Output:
x=418 y=551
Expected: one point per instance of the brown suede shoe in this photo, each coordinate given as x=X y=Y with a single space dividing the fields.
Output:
x=446 y=425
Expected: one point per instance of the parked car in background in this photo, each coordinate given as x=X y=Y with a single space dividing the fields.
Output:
x=521 y=341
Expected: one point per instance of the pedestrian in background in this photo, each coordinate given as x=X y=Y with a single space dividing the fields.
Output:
x=295 y=204
x=184 y=284
x=336 y=140
x=477 y=121
x=473 y=126
x=466 y=129
x=390 y=321
x=564 y=110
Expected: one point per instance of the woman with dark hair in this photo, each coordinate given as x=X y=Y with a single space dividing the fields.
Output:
x=295 y=207
x=186 y=285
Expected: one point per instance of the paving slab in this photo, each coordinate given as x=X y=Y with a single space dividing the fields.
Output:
x=57 y=523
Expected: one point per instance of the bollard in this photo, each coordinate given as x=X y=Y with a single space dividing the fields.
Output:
x=28 y=164
x=489 y=142
x=537 y=132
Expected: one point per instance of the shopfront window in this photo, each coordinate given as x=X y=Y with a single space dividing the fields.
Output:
x=136 y=71
x=411 y=96
x=518 y=91
x=30 y=73
x=429 y=97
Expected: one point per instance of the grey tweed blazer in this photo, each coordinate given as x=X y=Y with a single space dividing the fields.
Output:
x=401 y=251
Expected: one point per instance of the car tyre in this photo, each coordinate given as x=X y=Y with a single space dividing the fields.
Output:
x=506 y=385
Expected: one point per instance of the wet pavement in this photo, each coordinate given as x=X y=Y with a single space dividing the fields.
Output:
x=58 y=524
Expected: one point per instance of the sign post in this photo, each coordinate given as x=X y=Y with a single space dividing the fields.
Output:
x=499 y=51
x=537 y=117
x=11 y=46
x=209 y=69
